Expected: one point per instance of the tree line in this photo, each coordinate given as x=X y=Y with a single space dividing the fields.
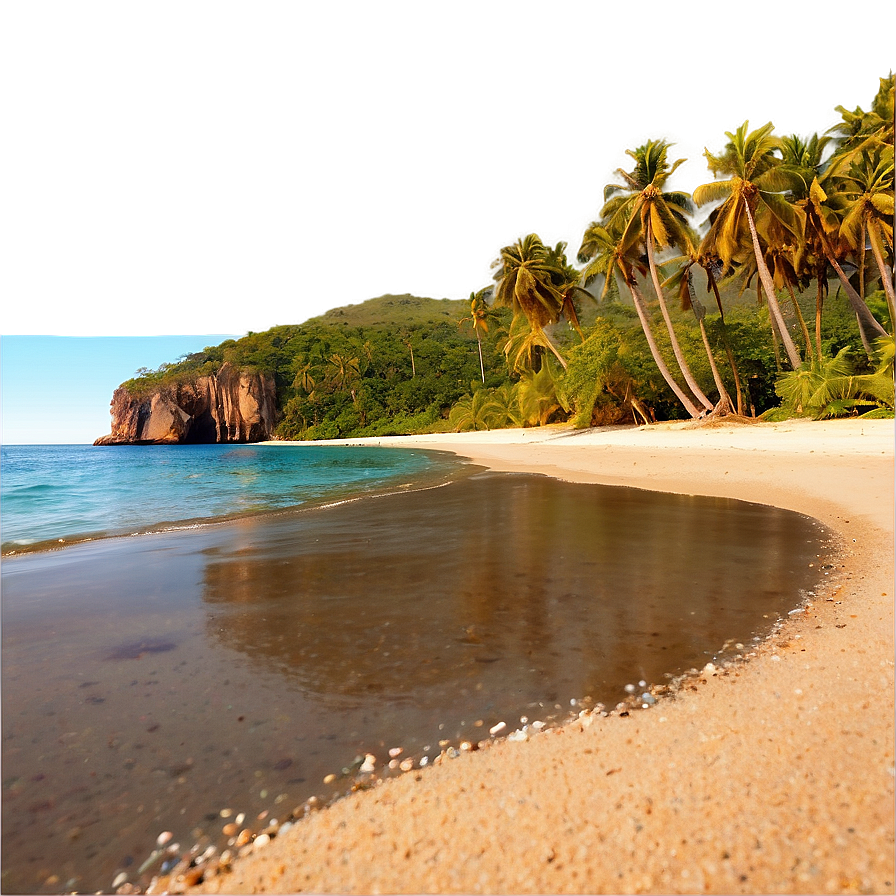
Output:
x=788 y=214
x=778 y=303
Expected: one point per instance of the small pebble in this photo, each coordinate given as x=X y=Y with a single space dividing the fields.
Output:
x=630 y=689
x=368 y=765
x=163 y=838
x=406 y=765
x=538 y=725
x=329 y=779
x=262 y=840
x=496 y=728
x=648 y=699
x=396 y=751
x=518 y=736
x=466 y=746
x=119 y=880
x=244 y=837
x=230 y=830
x=424 y=761
x=226 y=813
x=240 y=818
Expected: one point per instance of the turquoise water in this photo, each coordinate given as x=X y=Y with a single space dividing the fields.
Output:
x=71 y=493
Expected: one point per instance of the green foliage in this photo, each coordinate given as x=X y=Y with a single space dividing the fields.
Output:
x=349 y=372
x=541 y=400
x=476 y=411
x=591 y=367
x=828 y=388
x=400 y=364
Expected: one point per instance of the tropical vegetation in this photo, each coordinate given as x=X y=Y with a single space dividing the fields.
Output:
x=781 y=264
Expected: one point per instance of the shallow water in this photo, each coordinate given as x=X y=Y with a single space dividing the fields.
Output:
x=150 y=682
x=68 y=493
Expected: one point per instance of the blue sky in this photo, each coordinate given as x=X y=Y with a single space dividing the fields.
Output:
x=57 y=389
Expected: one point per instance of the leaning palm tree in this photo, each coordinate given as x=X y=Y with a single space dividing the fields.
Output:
x=754 y=187
x=865 y=198
x=530 y=282
x=603 y=254
x=682 y=279
x=645 y=214
x=823 y=226
x=861 y=131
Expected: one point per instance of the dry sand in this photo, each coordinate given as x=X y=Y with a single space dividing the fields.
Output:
x=774 y=775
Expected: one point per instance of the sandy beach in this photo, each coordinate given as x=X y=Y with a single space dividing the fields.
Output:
x=772 y=775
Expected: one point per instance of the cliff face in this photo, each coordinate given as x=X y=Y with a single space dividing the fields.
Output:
x=231 y=406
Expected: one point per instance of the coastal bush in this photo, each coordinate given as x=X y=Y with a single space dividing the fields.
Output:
x=830 y=388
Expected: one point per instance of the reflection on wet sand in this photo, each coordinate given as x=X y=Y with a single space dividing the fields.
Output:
x=150 y=682
x=537 y=588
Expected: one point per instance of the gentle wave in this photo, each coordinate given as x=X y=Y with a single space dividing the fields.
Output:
x=55 y=494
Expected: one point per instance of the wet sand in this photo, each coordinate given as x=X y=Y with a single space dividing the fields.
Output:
x=773 y=775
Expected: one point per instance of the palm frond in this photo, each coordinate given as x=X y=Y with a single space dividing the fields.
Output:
x=713 y=191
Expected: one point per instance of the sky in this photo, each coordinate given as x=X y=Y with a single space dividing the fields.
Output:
x=57 y=389
x=185 y=168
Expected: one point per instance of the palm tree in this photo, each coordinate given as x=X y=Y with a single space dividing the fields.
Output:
x=476 y=411
x=824 y=225
x=753 y=189
x=343 y=372
x=860 y=131
x=530 y=282
x=865 y=197
x=683 y=280
x=603 y=254
x=645 y=214
x=824 y=243
x=481 y=314
x=539 y=399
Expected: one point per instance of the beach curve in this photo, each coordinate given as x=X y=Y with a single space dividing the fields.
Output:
x=774 y=775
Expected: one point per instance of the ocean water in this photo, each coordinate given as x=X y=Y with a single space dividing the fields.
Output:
x=66 y=493
x=151 y=682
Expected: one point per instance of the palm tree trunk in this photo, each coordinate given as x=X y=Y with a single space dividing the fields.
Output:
x=864 y=337
x=676 y=348
x=819 y=303
x=886 y=275
x=862 y=263
x=777 y=350
x=481 y=365
x=801 y=319
x=724 y=397
x=867 y=321
x=553 y=348
x=734 y=371
x=766 y=278
x=638 y=299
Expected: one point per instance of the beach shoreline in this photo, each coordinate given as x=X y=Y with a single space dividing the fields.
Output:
x=774 y=775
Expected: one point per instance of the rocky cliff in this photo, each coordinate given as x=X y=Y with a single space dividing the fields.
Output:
x=231 y=406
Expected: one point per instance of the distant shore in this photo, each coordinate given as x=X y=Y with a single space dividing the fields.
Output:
x=774 y=775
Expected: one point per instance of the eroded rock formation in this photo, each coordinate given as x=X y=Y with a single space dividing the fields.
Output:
x=231 y=406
